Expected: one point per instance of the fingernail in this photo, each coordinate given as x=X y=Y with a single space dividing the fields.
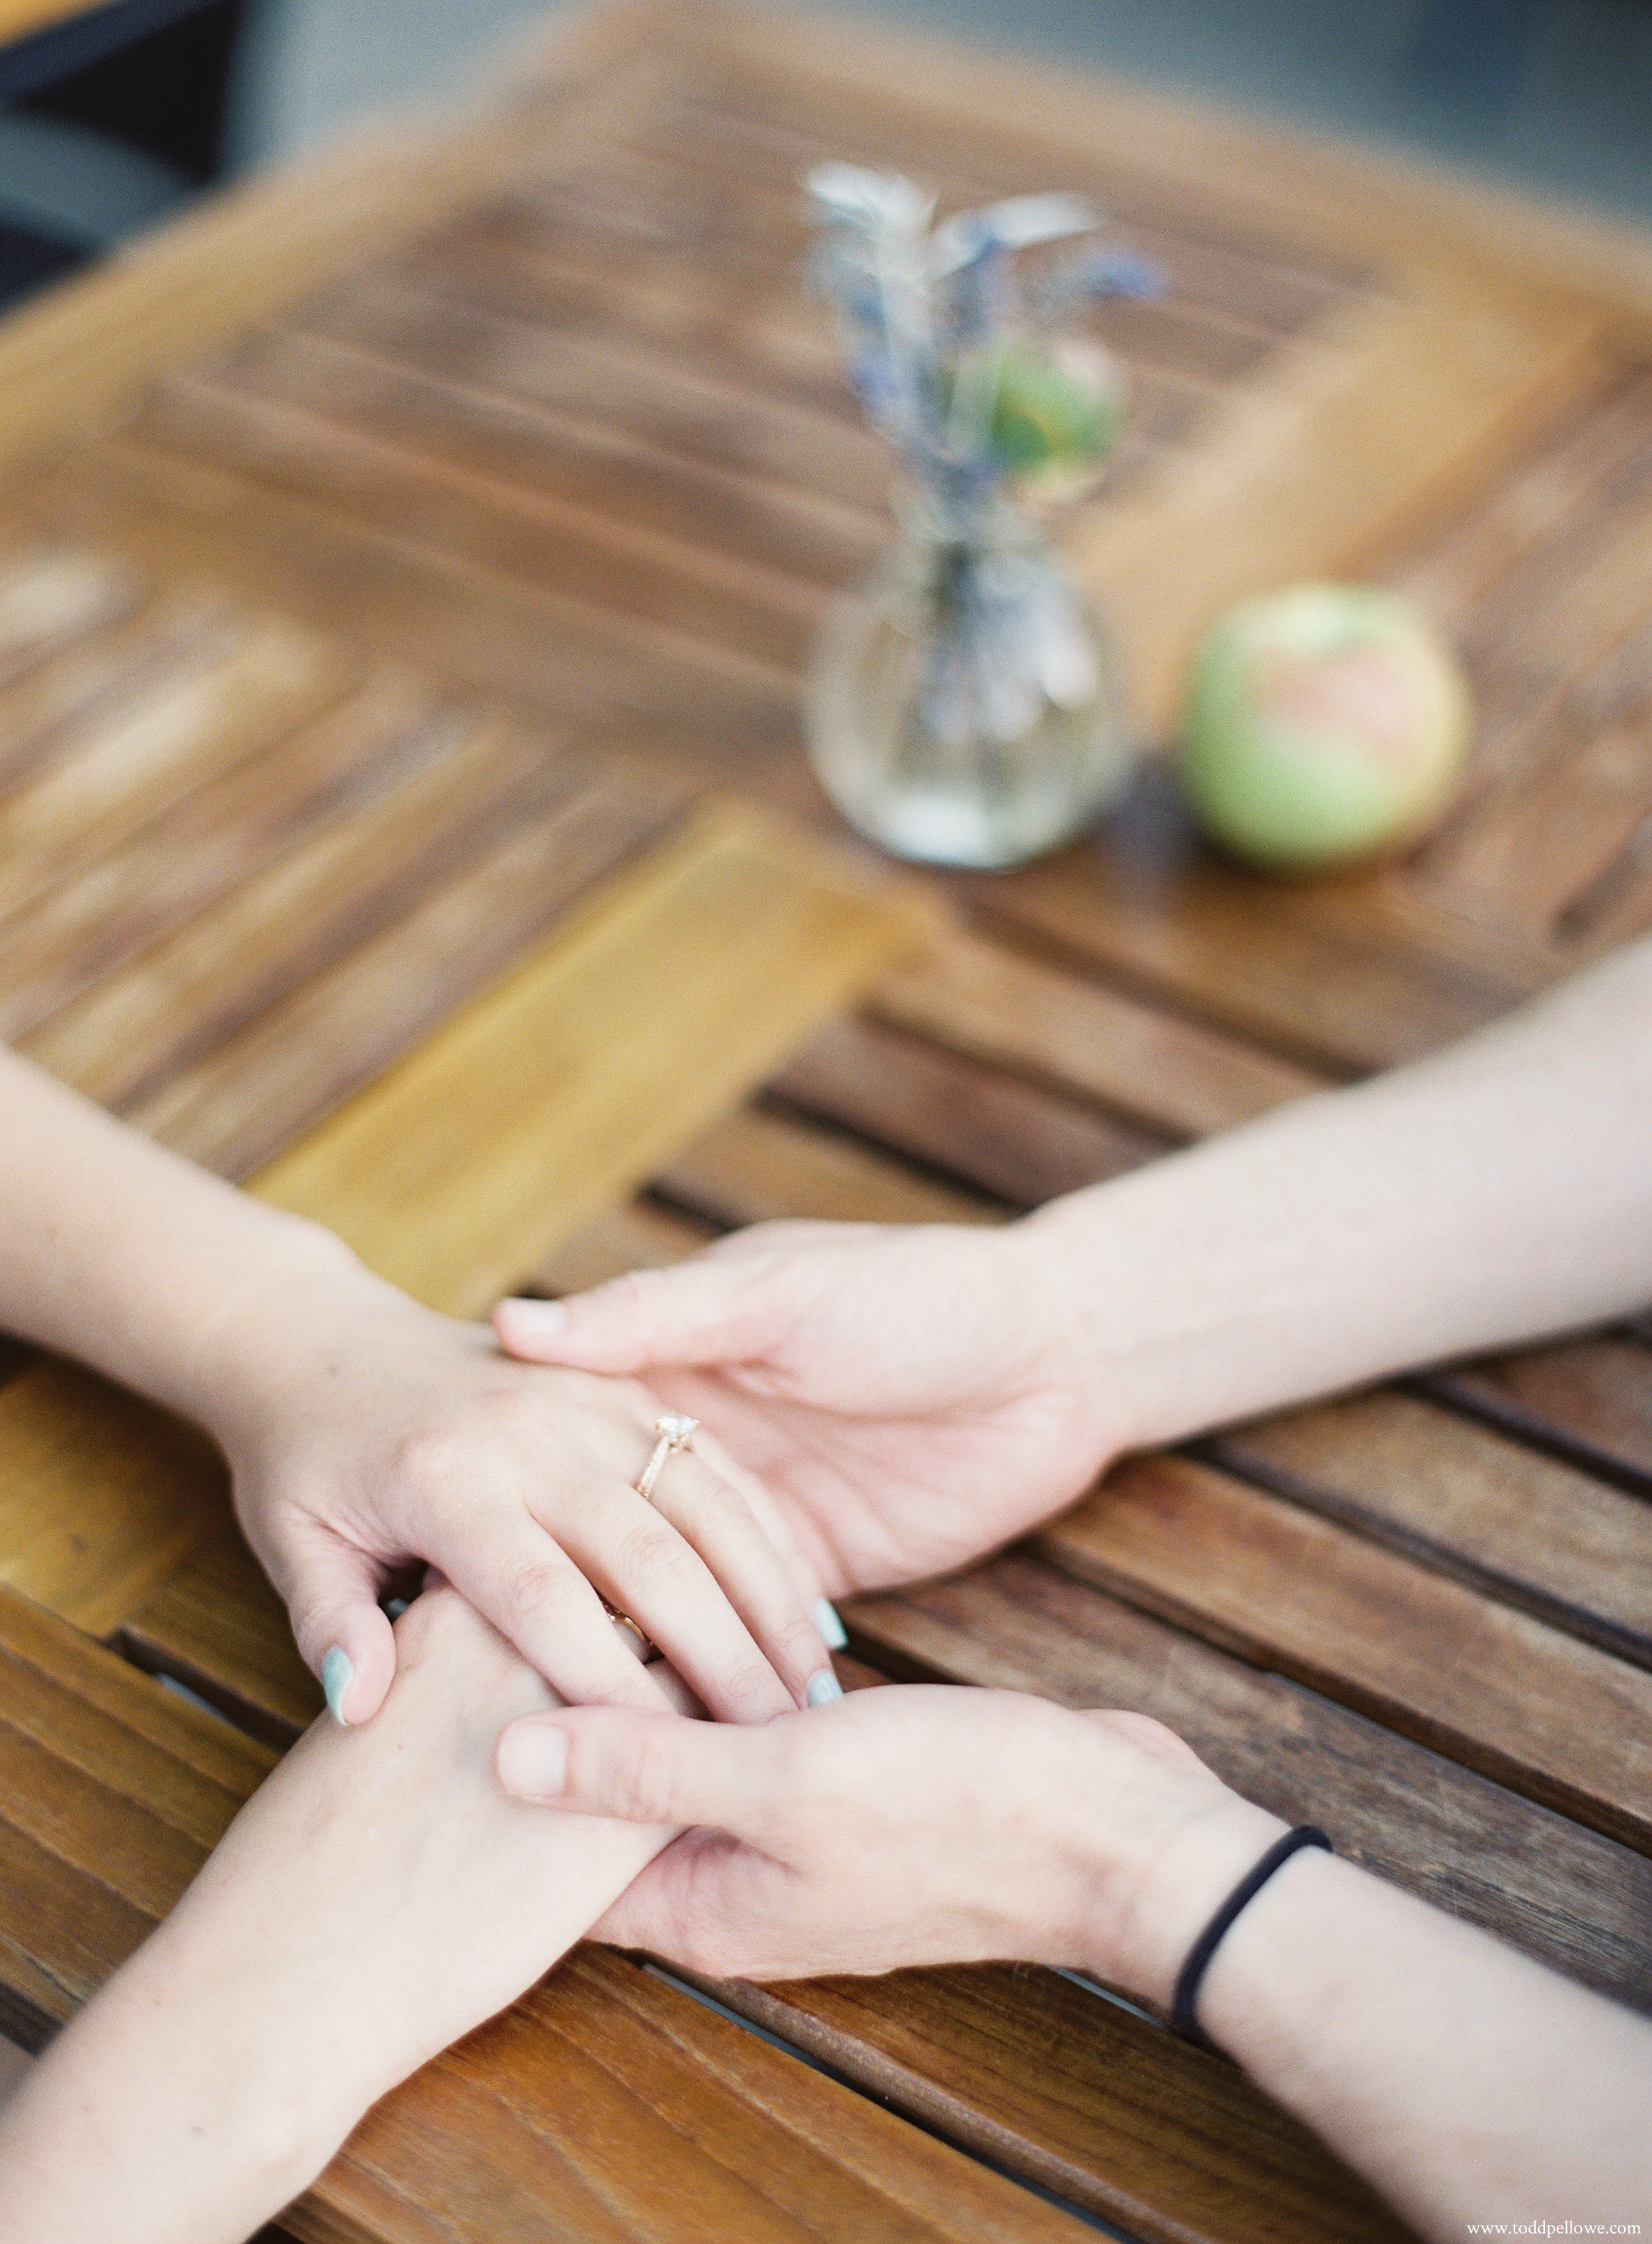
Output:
x=532 y=1760
x=338 y=1672
x=823 y=1688
x=833 y=1634
x=536 y=1318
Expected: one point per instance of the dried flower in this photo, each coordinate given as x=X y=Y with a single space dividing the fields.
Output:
x=955 y=360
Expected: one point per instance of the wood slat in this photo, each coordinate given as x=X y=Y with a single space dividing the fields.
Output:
x=1533 y=1532
x=1487 y=1685
x=1315 y=196
x=89 y=926
x=408 y=599
x=638 y=1236
x=608 y=2105
x=588 y=1063
x=217 y=1625
x=1574 y=1899
x=124 y=1790
x=1587 y=1400
x=754 y=1167
x=85 y=349
x=101 y=1495
x=467 y=787
x=995 y=1004
x=270 y=1076
x=1397 y=403
x=481 y=514
x=1343 y=986
x=243 y=683
x=1107 y=2110
x=1007 y=1137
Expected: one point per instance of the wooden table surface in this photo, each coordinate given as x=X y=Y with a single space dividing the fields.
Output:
x=405 y=572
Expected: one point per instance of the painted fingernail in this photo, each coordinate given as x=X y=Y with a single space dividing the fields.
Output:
x=536 y=1318
x=338 y=1672
x=833 y=1634
x=823 y=1688
x=532 y=1761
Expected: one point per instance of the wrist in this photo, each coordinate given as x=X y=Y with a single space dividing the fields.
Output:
x=1158 y=1843
x=1050 y=1259
x=295 y=1297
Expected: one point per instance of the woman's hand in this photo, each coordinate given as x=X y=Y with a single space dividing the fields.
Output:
x=904 y=1826
x=365 y=1432
x=912 y=1397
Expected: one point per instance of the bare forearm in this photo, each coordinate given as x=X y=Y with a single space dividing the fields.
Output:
x=116 y=1251
x=1465 y=2083
x=1498 y=1191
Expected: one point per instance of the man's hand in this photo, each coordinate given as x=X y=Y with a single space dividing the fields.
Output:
x=904 y=1826
x=912 y=1397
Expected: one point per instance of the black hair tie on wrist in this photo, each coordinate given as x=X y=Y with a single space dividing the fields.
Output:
x=1184 y=2002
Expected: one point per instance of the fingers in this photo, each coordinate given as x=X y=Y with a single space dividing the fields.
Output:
x=776 y=1524
x=332 y=1593
x=705 y=1311
x=645 y=1768
x=534 y=1594
x=709 y=1587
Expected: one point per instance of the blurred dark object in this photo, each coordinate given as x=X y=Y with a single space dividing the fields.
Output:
x=143 y=78
x=1475 y=53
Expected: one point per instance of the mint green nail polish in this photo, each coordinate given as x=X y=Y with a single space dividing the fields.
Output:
x=833 y=1634
x=823 y=1688
x=338 y=1672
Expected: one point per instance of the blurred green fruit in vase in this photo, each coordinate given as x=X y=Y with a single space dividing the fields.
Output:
x=1323 y=726
x=1055 y=415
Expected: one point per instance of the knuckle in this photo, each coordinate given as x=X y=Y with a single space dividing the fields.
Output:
x=431 y=1456
x=546 y=1592
x=653 y=1560
x=638 y=1777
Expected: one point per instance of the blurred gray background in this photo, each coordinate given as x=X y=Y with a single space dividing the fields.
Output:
x=1550 y=96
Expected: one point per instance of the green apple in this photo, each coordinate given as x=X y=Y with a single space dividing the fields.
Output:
x=1322 y=725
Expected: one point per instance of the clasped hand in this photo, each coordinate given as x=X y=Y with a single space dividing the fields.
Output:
x=373 y=1433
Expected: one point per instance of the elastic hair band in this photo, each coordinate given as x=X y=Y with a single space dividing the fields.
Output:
x=1185 y=2001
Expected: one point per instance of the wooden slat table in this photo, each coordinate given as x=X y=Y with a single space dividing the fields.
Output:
x=403 y=568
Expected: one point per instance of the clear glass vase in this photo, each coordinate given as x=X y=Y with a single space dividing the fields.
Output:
x=963 y=707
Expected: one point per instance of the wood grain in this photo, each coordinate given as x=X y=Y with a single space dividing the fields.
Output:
x=216 y=1625
x=755 y=1166
x=1531 y=1532
x=1104 y=2108
x=606 y=1030
x=1003 y=1136
x=1590 y=1401
x=528 y=514
x=1484 y=1683
x=995 y=1004
x=101 y=1495
x=114 y=1792
x=609 y=2105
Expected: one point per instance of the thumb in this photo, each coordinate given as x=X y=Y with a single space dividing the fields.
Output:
x=705 y=1311
x=642 y=1768
x=332 y=1595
